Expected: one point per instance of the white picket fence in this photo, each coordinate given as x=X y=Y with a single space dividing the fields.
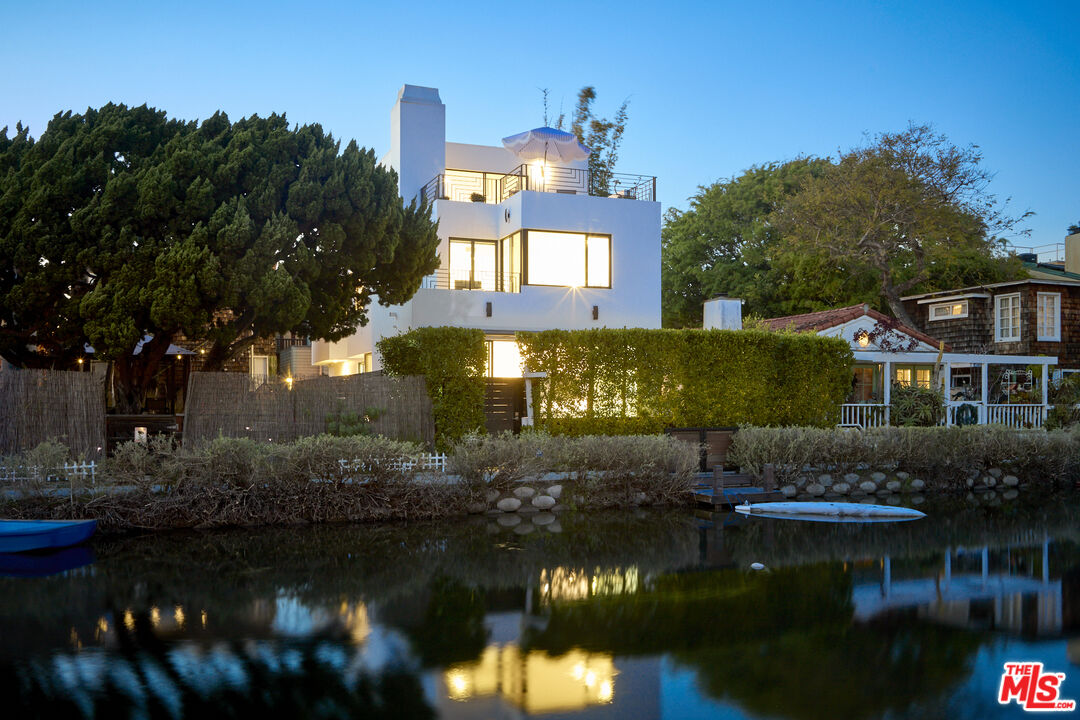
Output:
x=83 y=471
x=426 y=462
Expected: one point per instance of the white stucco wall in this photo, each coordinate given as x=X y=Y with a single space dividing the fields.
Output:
x=417 y=138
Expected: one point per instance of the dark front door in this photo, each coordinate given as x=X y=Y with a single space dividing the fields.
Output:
x=504 y=404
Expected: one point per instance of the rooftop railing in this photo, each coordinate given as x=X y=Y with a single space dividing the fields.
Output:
x=474 y=186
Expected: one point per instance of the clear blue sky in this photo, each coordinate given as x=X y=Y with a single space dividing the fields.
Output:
x=714 y=87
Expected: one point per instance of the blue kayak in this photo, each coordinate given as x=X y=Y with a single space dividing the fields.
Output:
x=23 y=535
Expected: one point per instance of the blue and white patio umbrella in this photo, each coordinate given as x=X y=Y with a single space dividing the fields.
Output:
x=546 y=144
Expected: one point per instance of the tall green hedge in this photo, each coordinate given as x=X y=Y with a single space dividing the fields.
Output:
x=452 y=359
x=641 y=381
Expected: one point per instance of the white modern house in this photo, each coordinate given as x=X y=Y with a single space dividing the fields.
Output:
x=525 y=242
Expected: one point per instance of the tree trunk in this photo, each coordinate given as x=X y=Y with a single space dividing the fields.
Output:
x=134 y=374
x=895 y=304
x=221 y=353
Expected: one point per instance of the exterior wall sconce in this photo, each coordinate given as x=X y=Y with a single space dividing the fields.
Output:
x=487 y=309
x=595 y=312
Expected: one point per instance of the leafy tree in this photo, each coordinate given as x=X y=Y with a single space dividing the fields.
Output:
x=910 y=208
x=1073 y=229
x=601 y=135
x=123 y=223
x=725 y=244
x=792 y=237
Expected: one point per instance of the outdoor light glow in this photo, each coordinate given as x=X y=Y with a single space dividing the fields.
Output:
x=79 y=361
x=155 y=616
x=204 y=618
x=129 y=620
x=533 y=680
x=178 y=615
x=505 y=359
x=864 y=340
x=458 y=685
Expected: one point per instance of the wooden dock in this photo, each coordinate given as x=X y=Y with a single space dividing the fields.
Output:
x=726 y=490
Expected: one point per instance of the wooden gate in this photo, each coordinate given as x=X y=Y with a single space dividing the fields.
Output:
x=504 y=404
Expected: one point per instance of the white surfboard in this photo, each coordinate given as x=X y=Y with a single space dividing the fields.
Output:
x=828 y=509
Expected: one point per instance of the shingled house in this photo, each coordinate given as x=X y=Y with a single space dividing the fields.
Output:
x=995 y=388
x=1036 y=316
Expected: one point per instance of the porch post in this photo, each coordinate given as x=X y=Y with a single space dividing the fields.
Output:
x=886 y=381
x=984 y=409
x=1045 y=395
x=948 y=393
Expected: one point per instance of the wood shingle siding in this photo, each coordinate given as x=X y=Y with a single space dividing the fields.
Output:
x=975 y=333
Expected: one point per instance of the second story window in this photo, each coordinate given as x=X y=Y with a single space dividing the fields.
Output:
x=1048 y=317
x=1007 y=318
x=567 y=259
x=472 y=265
x=949 y=311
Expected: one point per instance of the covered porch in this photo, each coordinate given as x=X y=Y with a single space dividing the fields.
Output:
x=1010 y=390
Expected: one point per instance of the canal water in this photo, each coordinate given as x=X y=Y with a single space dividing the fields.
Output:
x=632 y=614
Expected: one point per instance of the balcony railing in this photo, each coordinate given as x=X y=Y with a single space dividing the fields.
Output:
x=283 y=343
x=467 y=185
x=492 y=281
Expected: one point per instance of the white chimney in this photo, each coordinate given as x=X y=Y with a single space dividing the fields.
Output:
x=417 y=138
x=723 y=313
x=1072 y=253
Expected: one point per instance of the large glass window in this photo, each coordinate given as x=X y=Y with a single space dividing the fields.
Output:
x=472 y=265
x=1007 y=318
x=568 y=259
x=1048 y=316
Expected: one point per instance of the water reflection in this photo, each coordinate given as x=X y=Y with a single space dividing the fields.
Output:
x=601 y=619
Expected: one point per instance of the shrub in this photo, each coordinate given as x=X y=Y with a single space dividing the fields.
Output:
x=453 y=361
x=641 y=381
x=498 y=460
x=345 y=423
x=1065 y=398
x=913 y=406
x=946 y=456
x=377 y=460
x=607 y=469
x=47 y=458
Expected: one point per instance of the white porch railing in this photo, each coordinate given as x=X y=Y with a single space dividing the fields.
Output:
x=863 y=415
x=868 y=415
x=1017 y=416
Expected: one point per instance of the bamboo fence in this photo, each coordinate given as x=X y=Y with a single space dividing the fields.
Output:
x=40 y=405
x=237 y=405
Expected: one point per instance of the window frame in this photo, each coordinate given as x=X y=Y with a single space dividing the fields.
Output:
x=998 y=300
x=964 y=314
x=473 y=242
x=1056 y=337
x=525 y=257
